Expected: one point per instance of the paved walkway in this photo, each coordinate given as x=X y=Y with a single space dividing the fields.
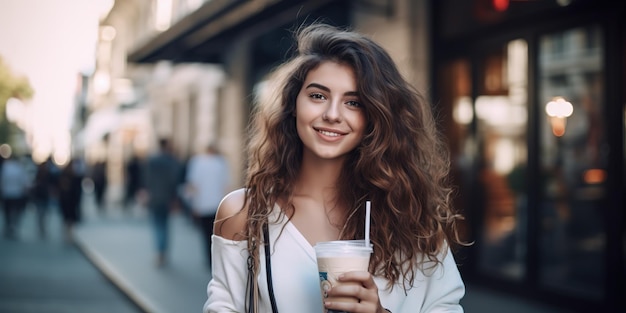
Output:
x=121 y=244
x=51 y=275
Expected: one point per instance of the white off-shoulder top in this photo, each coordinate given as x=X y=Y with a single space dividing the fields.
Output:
x=296 y=281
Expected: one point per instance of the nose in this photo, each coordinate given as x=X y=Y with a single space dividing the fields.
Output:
x=333 y=112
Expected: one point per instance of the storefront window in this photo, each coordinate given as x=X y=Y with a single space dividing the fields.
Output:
x=487 y=134
x=573 y=161
x=501 y=109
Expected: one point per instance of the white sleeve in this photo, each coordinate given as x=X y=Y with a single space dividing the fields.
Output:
x=439 y=291
x=446 y=288
x=227 y=288
x=434 y=290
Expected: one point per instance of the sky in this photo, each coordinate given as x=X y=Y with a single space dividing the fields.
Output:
x=50 y=42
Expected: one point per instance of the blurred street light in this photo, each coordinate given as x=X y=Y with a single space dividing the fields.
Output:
x=558 y=111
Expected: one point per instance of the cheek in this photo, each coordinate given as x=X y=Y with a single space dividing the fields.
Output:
x=299 y=109
x=300 y=122
x=305 y=112
x=359 y=123
x=298 y=125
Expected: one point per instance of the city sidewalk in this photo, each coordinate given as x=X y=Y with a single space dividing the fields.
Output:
x=121 y=245
x=49 y=274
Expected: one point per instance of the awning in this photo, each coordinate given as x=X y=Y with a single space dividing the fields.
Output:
x=206 y=34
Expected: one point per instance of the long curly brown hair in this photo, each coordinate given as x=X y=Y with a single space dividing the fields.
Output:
x=401 y=165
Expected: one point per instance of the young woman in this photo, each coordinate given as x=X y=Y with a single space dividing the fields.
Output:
x=343 y=128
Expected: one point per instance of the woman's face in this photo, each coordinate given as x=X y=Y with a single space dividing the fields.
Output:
x=329 y=116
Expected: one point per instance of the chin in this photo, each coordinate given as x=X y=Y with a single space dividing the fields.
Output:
x=330 y=156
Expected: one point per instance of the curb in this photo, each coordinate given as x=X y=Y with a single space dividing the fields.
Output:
x=109 y=271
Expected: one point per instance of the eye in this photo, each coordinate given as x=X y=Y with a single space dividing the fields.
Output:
x=354 y=103
x=317 y=96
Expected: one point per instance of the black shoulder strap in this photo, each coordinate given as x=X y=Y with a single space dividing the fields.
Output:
x=268 y=267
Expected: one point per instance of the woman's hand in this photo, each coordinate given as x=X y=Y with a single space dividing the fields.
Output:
x=364 y=289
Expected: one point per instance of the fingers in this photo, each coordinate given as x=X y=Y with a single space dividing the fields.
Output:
x=352 y=307
x=365 y=278
x=358 y=291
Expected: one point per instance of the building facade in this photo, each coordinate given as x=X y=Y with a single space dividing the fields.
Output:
x=530 y=95
x=532 y=99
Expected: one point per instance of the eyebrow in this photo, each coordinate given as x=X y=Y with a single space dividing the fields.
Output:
x=322 y=87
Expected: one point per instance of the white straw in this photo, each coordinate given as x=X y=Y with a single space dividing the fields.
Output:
x=367 y=223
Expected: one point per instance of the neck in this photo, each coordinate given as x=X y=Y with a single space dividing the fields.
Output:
x=318 y=178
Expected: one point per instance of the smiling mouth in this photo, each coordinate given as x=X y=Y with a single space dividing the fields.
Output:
x=328 y=133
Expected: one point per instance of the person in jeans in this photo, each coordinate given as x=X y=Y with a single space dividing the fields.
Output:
x=161 y=177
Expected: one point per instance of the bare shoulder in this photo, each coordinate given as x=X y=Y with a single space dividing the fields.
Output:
x=231 y=217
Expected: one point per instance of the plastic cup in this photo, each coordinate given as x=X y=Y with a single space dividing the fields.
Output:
x=337 y=257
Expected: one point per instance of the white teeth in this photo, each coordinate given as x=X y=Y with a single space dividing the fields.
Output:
x=327 y=133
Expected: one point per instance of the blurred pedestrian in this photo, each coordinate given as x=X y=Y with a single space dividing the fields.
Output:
x=133 y=181
x=40 y=195
x=207 y=182
x=70 y=195
x=55 y=174
x=100 y=182
x=161 y=177
x=14 y=186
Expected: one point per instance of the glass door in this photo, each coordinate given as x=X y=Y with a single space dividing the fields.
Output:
x=573 y=161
